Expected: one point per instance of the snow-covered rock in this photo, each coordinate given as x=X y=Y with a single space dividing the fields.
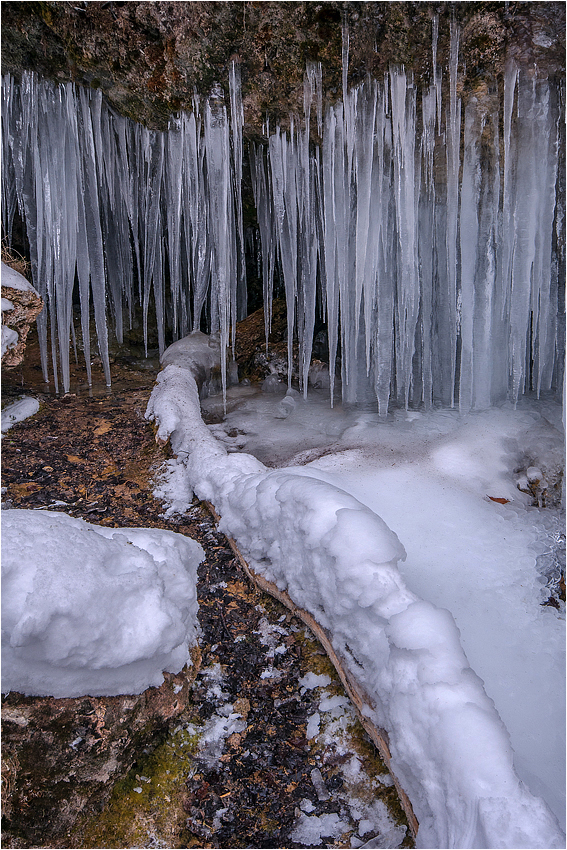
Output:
x=21 y=304
x=93 y=610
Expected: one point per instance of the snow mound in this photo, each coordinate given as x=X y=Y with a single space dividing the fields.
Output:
x=18 y=411
x=338 y=560
x=93 y=610
x=15 y=280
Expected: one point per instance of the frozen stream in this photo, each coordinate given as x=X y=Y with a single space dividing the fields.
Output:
x=430 y=476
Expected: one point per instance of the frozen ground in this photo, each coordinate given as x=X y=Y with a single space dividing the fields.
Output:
x=430 y=476
x=310 y=524
x=329 y=729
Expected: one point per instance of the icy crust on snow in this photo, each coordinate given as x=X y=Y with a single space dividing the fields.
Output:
x=338 y=560
x=93 y=610
x=18 y=411
x=15 y=280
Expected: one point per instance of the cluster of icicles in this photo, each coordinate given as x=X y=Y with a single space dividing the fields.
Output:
x=426 y=247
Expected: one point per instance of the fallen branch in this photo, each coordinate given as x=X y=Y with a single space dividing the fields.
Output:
x=360 y=700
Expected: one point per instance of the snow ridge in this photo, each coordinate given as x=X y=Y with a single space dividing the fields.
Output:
x=338 y=560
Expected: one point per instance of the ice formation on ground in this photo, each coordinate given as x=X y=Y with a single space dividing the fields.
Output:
x=338 y=560
x=18 y=410
x=93 y=610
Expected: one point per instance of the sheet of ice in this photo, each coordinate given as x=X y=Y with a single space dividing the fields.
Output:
x=477 y=558
x=93 y=610
x=339 y=560
x=19 y=410
x=427 y=475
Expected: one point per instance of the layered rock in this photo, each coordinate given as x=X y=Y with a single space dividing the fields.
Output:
x=149 y=58
x=21 y=305
x=62 y=757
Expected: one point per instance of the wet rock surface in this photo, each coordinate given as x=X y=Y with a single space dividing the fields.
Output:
x=61 y=757
x=147 y=58
x=250 y=346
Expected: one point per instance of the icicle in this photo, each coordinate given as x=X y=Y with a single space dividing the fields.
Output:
x=448 y=336
x=307 y=283
x=427 y=245
x=93 y=229
x=154 y=155
x=314 y=74
x=510 y=80
x=9 y=192
x=83 y=276
x=330 y=242
x=545 y=300
x=283 y=167
x=526 y=203
x=406 y=186
x=266 y=224
x=470 y=193
x=223 y=281
x=174 y=187
x=236 y=123
x=195 y=214
x=385 y=285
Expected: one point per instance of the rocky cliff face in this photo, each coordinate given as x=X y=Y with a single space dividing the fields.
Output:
x=149 y=59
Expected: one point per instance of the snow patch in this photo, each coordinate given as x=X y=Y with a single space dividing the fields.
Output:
x=18 y=411
x=93 y=610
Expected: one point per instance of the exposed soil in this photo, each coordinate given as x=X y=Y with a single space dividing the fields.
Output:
x=93 y=456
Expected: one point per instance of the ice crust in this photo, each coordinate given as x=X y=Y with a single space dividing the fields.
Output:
x=93 y=610
x=338 y=560
x=19 y=410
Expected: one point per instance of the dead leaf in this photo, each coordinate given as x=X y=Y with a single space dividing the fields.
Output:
x=103 y=428
x=122 y=491
x=25 y=489
x=499 y=499
x=75 y=459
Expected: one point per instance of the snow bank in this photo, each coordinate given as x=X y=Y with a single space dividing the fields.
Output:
x=93 y=610
x=338 y=560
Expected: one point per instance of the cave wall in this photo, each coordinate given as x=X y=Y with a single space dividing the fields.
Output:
x=150 y=58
